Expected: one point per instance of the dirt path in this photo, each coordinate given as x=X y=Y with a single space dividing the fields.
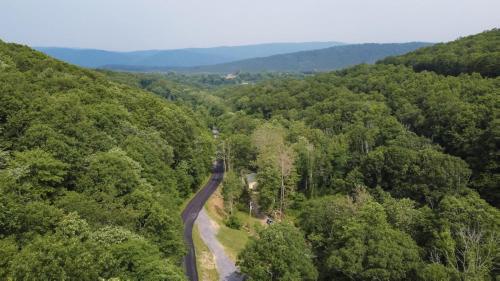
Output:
x=208 y=231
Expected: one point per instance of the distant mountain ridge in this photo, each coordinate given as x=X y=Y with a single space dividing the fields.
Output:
x=188 y=57
x=327 y=59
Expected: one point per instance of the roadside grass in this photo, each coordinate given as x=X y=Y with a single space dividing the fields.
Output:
x=233 y=240
x=205 y=262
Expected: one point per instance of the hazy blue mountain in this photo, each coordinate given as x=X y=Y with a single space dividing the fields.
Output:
x=316 y=60
x=84 y=57
x=306 y=61
x=180 y=57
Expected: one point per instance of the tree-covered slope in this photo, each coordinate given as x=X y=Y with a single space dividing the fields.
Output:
x=379 y=164
x=91 y=174
x=459 y=113
x=477 y=53
x=316 y=60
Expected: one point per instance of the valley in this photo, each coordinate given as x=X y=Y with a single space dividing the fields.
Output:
x=317 y=161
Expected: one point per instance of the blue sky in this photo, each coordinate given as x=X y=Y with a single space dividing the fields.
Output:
x=167 y=24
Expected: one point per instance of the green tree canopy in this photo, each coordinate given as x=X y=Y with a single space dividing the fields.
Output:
x=279 y=253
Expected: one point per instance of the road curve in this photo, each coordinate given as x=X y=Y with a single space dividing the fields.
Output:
x=190 y=214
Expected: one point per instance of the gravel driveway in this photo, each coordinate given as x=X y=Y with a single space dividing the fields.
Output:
x=208 y=231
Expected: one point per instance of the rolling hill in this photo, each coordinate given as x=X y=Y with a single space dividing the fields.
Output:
x=177 y=58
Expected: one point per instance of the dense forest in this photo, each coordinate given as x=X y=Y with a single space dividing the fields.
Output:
x=377 y=146
x=376 y=172
x=92 y=174
x=381 y=172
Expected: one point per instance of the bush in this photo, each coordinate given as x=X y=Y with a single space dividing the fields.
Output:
x=233 y=222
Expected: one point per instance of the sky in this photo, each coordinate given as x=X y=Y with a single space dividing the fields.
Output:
x=125 y=25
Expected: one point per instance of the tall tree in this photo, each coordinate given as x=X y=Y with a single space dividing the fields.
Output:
x=232 y=189
x=273 y=150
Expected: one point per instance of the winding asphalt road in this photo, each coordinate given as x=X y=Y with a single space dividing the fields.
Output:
x=190 y=214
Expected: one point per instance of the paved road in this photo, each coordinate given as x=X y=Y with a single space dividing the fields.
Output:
x=208 y=231
x=190 y=214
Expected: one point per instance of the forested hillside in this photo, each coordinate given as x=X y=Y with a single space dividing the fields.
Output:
x=477 y=53
x=92 y=174
x=459 y=114
x=386 y=173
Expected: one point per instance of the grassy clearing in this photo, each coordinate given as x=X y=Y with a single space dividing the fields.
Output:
x=233 y=240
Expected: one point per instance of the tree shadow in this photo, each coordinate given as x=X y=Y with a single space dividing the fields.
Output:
x=235 y=276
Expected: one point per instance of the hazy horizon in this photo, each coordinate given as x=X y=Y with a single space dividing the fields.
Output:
x=129 y=25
